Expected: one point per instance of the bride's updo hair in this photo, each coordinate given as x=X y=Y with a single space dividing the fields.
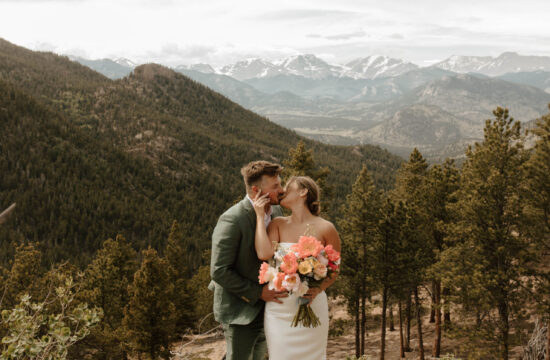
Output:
x=313 y=198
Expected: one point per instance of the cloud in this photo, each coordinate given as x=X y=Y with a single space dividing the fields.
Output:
x=304 y=14
x=343 y=36
x=396 y=36
x=175 y=54
x=346 y=36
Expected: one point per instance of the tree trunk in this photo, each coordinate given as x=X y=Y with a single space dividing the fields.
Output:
x=446 y=306
x=390 y=312
x=504 y=329
x=548 y=340
x=357 y=329
x=363 y=319
x=419 y=325
x=383 y=323
x=436 y=351
x=432 y=296
x=408 y=310
x=401 y=347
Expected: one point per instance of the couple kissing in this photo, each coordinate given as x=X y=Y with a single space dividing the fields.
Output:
x=256 y=318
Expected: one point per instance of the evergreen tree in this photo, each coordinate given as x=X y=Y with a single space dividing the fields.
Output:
x=416 y=248
x=359 y=224
x=183 y=301
x=442 y=182
x=24 y=276
x=106 y=286
x=537 y=215
x=204 y=301
x=386 y=249
x=487 y=259
x=149 y=319
x=300 y=163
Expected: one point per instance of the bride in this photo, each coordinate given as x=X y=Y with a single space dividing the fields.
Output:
x=284 y=341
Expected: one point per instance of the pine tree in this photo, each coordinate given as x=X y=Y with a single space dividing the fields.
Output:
x=204 y=301
x=386 y=250
x=106 y=286
x=300 y=162
x=149 y=320
x=183 y=301
x=24 y=276
x=359 y=224
x=537 y=214
x=442 y=182
x=487 y=259
x=410 y=188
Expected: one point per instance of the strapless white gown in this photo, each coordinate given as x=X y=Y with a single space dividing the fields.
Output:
x=285 y=342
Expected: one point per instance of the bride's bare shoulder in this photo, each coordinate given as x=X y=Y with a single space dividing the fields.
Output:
x=325 y=224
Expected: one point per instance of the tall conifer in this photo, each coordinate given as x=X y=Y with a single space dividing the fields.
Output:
x=359 y=224
x=487 y=259
x=149 y=319
x=183 y=301
x=537 y=215
x=106 y=286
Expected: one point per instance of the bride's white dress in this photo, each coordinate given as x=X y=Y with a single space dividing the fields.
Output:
x=285 y=342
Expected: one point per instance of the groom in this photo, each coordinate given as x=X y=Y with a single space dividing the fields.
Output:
x=239 y=299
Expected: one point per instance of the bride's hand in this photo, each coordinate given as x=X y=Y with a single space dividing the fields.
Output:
x=259 y=202
x=312 y=294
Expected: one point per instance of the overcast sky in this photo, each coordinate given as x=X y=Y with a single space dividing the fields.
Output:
x=223 y=31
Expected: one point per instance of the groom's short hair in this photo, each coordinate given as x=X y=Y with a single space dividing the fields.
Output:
x=253 y=171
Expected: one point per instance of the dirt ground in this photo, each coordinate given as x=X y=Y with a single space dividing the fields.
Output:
x=212 y=346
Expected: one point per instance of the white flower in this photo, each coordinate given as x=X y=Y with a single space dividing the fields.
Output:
x=291 y=282
x=323 y=260
x=302 y=290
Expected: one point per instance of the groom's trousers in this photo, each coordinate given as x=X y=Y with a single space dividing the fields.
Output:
x=246 y=342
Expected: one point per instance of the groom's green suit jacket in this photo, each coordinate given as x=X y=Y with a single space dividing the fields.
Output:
x=234 y=265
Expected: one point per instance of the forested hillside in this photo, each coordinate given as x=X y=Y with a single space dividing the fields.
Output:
x=86 y=157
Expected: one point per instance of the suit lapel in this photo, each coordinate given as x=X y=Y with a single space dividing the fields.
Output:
x=249 y=211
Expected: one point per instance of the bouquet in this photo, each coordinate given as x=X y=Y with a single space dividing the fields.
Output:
x=306 y=265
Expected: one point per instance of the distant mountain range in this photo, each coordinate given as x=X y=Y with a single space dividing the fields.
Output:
x=378 y=99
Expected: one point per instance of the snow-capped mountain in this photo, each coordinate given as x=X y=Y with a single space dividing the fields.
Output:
x=126 y=62
x=508 y=62
x=312 y=67
x=308 y=66
x=375 y=66
x=250 y=68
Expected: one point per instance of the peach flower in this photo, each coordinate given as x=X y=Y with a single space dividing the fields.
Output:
x=289 y=265
x=277 y=282
x=308 y=246
x=320 y=271
x=332 y=254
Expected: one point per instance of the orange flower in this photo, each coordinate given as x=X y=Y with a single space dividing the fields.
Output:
x=263 y=271
x=332 y=254
x=289 y=265
x=278 y=282
x=308 y=246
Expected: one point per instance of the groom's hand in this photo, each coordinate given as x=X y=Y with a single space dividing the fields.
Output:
x=272 y=295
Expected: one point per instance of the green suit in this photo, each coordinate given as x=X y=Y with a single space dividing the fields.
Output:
x=234 y=270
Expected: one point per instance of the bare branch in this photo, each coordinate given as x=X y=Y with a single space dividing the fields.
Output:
x=5 y=213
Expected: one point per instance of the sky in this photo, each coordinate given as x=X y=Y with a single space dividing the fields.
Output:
x=220 y=32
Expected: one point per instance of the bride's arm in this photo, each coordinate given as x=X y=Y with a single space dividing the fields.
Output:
x=263 y=241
